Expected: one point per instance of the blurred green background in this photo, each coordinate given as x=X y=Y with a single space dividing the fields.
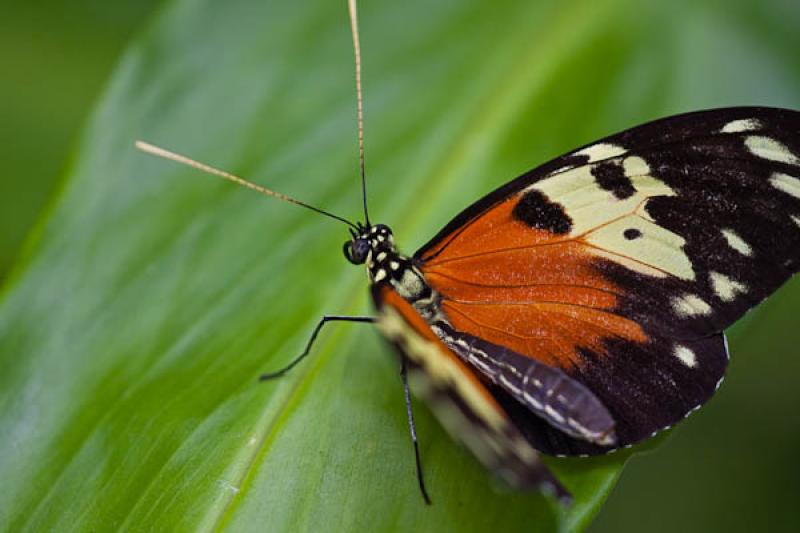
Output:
x=55 y=57
x=732 y=467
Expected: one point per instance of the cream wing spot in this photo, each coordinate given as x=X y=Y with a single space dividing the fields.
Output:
x=602 y=219
x=771 y=149
x=796 y=220
x=589 y=205
x=635 y=166
x=786 y=183
x=690 y=305
x=737 y=243
x=654 y=251
x=742 y=125
x=686 y=356
x=600 y=151
x=726 y=288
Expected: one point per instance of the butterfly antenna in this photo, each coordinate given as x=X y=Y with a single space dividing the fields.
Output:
x=360 y=103
x=172 y=156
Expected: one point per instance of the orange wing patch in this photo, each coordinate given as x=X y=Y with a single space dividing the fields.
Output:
x=531 y=290
x=487 y=233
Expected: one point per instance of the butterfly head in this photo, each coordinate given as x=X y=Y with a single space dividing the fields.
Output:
x=368 y=239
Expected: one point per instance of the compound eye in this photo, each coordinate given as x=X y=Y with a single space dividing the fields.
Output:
x=360 y=250
x=356 y=251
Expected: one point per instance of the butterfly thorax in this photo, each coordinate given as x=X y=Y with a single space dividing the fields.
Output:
x=374 y=245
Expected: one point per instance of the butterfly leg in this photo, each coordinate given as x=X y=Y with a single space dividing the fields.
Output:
x=324 y=320
x=413 y=429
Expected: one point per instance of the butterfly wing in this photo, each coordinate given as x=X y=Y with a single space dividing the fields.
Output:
x=548 y=392
x=621 y=263
x=459 y=399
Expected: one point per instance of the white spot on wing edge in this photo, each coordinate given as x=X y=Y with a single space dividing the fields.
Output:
x=690 y=305
x=768 y=148
x=533 y=401
x=686 y=356
x=743 y=124
x=727 y=351
x=506 y=383
x=786 y=183
x=600 y=151
x=726 y=288
x=736 y=242
x=796 y=220
x=555 y=415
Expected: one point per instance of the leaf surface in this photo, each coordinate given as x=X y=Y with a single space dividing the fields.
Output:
x=152 y=297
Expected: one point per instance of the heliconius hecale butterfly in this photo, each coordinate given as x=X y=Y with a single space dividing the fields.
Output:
x=580 y=307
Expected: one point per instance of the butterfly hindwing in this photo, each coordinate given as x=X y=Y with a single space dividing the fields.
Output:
x=458 y=398
x=563 y=402
x=622 y=262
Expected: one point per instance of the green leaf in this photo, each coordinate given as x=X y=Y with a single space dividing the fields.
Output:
x=151 y=297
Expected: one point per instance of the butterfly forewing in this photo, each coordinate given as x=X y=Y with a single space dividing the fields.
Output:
x=622 y=262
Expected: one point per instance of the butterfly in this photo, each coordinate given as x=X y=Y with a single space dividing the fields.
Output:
x=581 y=307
